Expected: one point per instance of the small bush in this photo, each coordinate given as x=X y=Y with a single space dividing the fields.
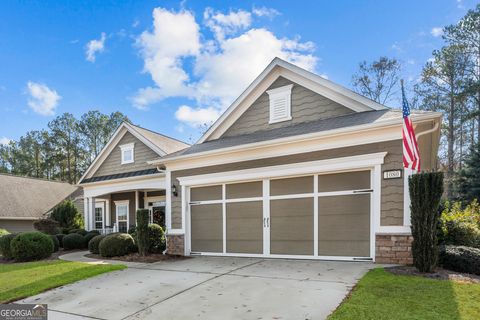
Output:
x=56 y=243
x=73 y=241
x=460 y=259
x=66 y=214
x=460 y=226
x=81 y=232
x=5 y=249
x=117 y=244
x=90 y=235
x=94 y=244
x=156 y=238
x=60 y=239
x=3 y=232
x=32 y=245
x=142 y=240
x=47 y=226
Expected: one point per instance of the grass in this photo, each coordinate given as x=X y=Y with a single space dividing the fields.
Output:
x=382 y=295
x=21 y=280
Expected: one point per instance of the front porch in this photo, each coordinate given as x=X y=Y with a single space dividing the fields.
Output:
x=112 y=208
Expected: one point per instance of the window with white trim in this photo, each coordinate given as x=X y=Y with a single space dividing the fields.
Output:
x=127 y=151
x=280 y=103
x=99 y=218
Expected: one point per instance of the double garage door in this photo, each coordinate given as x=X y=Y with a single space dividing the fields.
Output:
x=321 y=215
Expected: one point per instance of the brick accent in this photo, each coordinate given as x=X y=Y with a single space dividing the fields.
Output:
x=175 y=244
x=393 y=248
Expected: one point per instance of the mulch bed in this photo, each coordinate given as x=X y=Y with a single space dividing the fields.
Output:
x=135 y=257
x=439 y=274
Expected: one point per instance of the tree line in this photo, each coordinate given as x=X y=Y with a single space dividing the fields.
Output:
x=449 y=83
x=64 y=150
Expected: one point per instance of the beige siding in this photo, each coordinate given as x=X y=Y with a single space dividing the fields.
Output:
x=14 y=226
x=306 y=106
x=112 y=164
x=392 y=190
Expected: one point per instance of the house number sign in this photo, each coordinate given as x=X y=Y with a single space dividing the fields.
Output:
x=392 y=174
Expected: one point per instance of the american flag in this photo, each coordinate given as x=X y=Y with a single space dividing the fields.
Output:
x=411 y=156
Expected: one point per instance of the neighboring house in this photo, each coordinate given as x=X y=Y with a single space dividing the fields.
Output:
x=296 y=167
x=24 y=200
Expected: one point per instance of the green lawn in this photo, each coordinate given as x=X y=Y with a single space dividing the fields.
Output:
x=20 y=280
x=382 y=295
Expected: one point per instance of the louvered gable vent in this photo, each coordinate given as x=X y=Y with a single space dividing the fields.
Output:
x=280 y=103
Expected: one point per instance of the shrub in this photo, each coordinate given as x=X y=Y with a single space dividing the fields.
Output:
x=3 y=232
x=60 y=239
x=66 y=214
x=425 y=192
x=47 y=226
x=116 y=244
x=460 y=226
x=5 y=249
x=156 y=238
x=93 y=245
x=460 y=259
x=56 y=243
x=74 y=241
x=90 y=235
x=142 y=240
x=81 y=232
x=32 y=245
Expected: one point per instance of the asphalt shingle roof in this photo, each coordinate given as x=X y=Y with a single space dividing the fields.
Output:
x=120 y=175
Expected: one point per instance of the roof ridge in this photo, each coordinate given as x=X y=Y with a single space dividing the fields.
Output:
x=33 y=178
x=160 y=134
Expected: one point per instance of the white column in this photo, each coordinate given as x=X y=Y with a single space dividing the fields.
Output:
x=91 y=217
x=108 y=217
x=86 y=213
x=168 y=199
x=137 y=204
x=406 y=197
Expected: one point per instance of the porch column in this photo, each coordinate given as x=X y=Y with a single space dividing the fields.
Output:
x=136 y=202
x=91 y=203
x=86 y=213
x=108 y=217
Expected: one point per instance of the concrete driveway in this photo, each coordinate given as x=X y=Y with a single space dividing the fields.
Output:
x=209 y=288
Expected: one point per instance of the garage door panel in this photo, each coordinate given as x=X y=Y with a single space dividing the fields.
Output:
x=344 y=181
x=344 y=225
x=291 y=226
x=206 y=228
x=245 y=227
x=244 y=190
x=296 y=185
x=206 y=193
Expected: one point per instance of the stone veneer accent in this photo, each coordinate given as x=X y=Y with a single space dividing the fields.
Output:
x=175 y=244
x=393 y=248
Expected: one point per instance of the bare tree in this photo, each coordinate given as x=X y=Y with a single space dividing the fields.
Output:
x=377 y=80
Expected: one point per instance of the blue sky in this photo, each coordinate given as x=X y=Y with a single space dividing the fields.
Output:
x=171 y=66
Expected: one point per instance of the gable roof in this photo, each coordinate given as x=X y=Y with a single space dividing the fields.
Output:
x=323 y=126
x=159 y=143
x=275 y=69
x=30 y=198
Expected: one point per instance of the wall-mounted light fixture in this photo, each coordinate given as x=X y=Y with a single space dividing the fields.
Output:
x=174 y=190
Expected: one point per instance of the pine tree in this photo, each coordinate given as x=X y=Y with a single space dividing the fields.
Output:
x=469 y=178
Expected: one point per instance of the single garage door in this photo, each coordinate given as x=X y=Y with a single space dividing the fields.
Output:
x=321 y=215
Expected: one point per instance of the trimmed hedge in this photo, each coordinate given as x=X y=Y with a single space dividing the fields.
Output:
x=94 y=244
x=60 y=239
x=90 y=235
x=460 y=259
x=32 y=245
x=82 y=232
x=74 y=241
x=47 y=226
x=5 y=249
x=116 y=244
x=142 y=239
x=156 y=238
x=56 y=243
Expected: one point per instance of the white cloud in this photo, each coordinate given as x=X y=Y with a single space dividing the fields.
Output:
x=214 y=70
x=4 y=141
x=437 y=32
x=196 y=117
x=265 y=12
x=43 y=100
x=95 y=46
